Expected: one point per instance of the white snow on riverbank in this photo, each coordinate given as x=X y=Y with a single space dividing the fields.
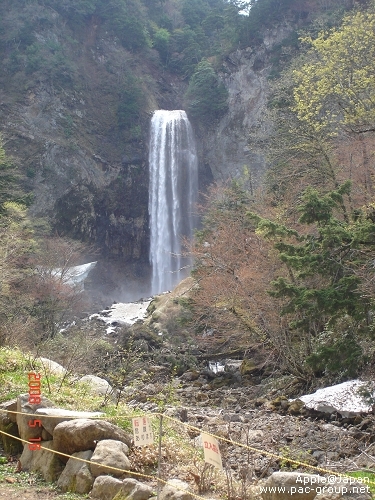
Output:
x=123 y=314
x=344 y=398
x=75 y=275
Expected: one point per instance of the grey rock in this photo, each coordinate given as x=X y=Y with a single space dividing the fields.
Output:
x=97 y=385
x=289 y=485
x=232 y=365
x=134 y=490
x=11 y=445
x=46 y=462
x=76 y=477
x=252 y=436
x=110 y=453
x=46 y=436
x=54 y=416
x=7 y=408
x=51 y=366
x=23 y=406
x=190 y=376
x=174 y=490
x=82 y=434
x=105 y=488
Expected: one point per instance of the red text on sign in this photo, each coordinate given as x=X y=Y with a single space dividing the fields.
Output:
x=34 y=398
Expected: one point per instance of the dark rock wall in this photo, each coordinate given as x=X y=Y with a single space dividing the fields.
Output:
x=114 y=217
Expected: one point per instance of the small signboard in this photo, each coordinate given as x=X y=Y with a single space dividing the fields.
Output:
x=211 y=451
x=142 y=431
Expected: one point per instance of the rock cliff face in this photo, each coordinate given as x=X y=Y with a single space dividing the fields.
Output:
x=233 y=144
x=59 y=119
x=88 y=176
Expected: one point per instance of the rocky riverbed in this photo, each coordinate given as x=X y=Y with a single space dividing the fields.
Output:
x=253 y=409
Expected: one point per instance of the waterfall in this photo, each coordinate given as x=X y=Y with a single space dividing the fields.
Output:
x=172 y=195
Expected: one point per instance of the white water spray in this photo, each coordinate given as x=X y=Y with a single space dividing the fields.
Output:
x=173 y=194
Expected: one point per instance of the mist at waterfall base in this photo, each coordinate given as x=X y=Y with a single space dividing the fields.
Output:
x=172 y=196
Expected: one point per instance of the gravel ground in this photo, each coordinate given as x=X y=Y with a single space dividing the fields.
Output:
x=32 y=492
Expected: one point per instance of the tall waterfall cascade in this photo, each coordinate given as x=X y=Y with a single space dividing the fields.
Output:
x=172 y=196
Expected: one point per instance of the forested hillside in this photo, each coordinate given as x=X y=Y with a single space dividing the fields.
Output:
x=292 y=264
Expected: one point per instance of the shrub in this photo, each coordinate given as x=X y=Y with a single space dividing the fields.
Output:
x=206 y=96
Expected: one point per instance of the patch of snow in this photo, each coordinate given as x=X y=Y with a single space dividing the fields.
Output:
x=216 y=366
x=123 y=313
x=67 y=326
x=110 y=329
x=74 y=275
x=345 y=398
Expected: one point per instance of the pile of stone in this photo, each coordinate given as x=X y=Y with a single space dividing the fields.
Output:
x=80 y=451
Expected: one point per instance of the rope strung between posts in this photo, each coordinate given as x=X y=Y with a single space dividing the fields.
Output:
x=197 y=429
x=123 y=471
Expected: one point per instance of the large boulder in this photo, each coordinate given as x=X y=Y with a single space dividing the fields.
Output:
x=248 y=367
x=8 y=424
x=9 y=409
x=51 y=417
x=132 y=489
x=83 y=434
x=176 y=490
x=105 y=488
x=76 y=477
x=11 y=445
x=43 y=461
x=51 y=366
x=287 y=485
x=97 y=385
x=24 y=407
x=110 y=453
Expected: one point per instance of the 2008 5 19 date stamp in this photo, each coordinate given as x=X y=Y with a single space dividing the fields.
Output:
x=34 y=398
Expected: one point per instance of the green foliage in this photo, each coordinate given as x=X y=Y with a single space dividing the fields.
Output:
x=206 y=97
x=69 y=124
x=131 y=102
x=78 y=352
x=290 y=455
x=73 y=8
x=336 y=85
x=182 y=33
x=50 y=61
x=282 y=53
x=16 y=243
x=263 y=14
x=322 y=284
x=131 y=31
x=7 y=178
x=186 y=49
x=365 y=477
x=125 y=18
x=319 y=209
x=13 y=372
x=194 y=11
x=343 y=356
x=161 y=42
x=209 y=28
x=128 y=22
